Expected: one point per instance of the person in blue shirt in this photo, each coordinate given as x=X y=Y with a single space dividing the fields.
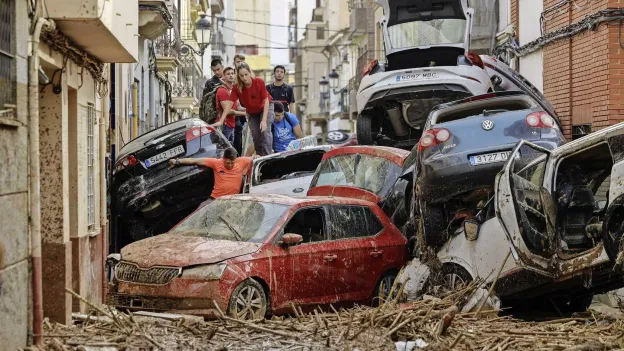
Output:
x=285 y=128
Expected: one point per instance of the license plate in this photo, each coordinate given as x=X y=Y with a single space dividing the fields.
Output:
x=494 y=157
x=416 y=76
x=164 y=156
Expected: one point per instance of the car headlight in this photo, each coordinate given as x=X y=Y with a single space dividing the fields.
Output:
x=205 y=272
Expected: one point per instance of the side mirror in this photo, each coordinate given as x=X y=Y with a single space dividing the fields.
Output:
x=291 y=239
x=471 y=229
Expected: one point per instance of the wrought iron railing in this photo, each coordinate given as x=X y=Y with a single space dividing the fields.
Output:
x=167 y=46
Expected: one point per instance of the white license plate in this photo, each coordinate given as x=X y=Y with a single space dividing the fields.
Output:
x=164 y=156
x=490 y=158
x=416 y=76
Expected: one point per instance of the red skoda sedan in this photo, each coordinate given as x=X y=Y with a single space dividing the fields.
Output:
x=258 y=255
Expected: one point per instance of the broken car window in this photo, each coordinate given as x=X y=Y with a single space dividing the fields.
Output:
x=353 y=222
x=375 y=174
x=234 y=220
x=425 y=33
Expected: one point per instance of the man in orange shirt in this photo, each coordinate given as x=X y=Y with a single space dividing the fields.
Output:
x=228 y=171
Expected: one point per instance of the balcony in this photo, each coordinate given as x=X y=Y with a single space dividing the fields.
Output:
x=154 y=18
x=106 y=29
x=184 y=95
x=167 y=52
x=358 y=20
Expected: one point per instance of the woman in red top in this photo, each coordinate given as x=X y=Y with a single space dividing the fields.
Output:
x=252 y=94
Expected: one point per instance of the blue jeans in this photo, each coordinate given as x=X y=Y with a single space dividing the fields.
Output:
x=228 y=133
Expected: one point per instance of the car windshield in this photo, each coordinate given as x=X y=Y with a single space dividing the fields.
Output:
x=427 y=33
x=373 y=173
x=231 y=219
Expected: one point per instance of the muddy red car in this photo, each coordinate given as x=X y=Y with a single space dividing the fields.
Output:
x=257 y=255
x=380 y=174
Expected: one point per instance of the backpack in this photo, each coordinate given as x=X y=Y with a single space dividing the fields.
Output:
x=208 y=108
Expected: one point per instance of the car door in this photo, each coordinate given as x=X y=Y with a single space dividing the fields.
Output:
x=363 y=250
x=526 y=209
x=305 y=264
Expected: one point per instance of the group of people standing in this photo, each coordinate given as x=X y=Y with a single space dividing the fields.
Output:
x=242 y=100
x=245 y=100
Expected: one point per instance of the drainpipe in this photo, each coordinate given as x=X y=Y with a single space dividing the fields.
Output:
x=35 y=177
x=103 y=207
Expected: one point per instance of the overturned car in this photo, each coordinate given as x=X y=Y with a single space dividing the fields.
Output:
x=553 y=228
x=147 y=197
x=425 y=69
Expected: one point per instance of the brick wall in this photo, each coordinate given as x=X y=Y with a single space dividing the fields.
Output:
x=582 y=74
x=514 y=8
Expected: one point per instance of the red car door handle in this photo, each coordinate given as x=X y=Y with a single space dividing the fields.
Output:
x=376 y=253
x=329 y=258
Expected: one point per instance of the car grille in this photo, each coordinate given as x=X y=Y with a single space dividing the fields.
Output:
x=129 y=272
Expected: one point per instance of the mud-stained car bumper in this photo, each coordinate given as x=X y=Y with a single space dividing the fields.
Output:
x=189 y=296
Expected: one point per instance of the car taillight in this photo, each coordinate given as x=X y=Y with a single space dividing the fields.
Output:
x=433 y=137
x=197 y=132
x=475 y=59
x=369 y=67
x=125 y=163
x=540 y=120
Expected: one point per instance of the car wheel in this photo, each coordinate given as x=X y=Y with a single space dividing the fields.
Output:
x=455 y=277
x=365 y=130
x=433 y=224
x=248 y=301
x=384 y=286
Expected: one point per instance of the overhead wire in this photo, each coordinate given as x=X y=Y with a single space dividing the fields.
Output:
x=274 y=25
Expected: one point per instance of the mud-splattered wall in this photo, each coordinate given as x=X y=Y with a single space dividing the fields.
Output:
x=14 y=238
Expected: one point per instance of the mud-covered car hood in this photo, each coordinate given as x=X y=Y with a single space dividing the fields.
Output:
x=181 y=250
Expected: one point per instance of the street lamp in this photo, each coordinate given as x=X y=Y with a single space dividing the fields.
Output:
x=203 y=34
x=324 y=84
x=333 y=80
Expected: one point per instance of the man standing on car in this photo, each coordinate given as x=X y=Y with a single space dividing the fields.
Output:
x=228 y=172
x=217 y=69
x=280 y=91
x=285 y=128
x=223 y=99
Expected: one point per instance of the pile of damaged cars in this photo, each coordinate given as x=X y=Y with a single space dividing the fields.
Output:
x=490 y=188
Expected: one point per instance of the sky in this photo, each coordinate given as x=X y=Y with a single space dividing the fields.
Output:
x=279 y=15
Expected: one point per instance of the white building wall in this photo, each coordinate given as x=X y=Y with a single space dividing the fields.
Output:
x=531 y=66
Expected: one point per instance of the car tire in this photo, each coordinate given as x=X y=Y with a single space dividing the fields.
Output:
x=365 y=130
x=433 y=224
x=248 y=301
x=387 y=281
x=453 y=275
x=613 y=234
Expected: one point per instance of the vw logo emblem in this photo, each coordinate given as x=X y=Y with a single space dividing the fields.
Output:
x=487 y=124
x=336 y=136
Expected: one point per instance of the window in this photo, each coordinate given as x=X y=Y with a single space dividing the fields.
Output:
x=371 y=173
x=247 y=49
x=309 y=223
x=320 y=33
x=233 y=220
x=7 y=77
x=580 y=130
x=353 y=222
x=90 y=163
x=425 y=33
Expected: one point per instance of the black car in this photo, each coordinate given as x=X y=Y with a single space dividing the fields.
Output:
x=148 y=198
x=464 y=145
